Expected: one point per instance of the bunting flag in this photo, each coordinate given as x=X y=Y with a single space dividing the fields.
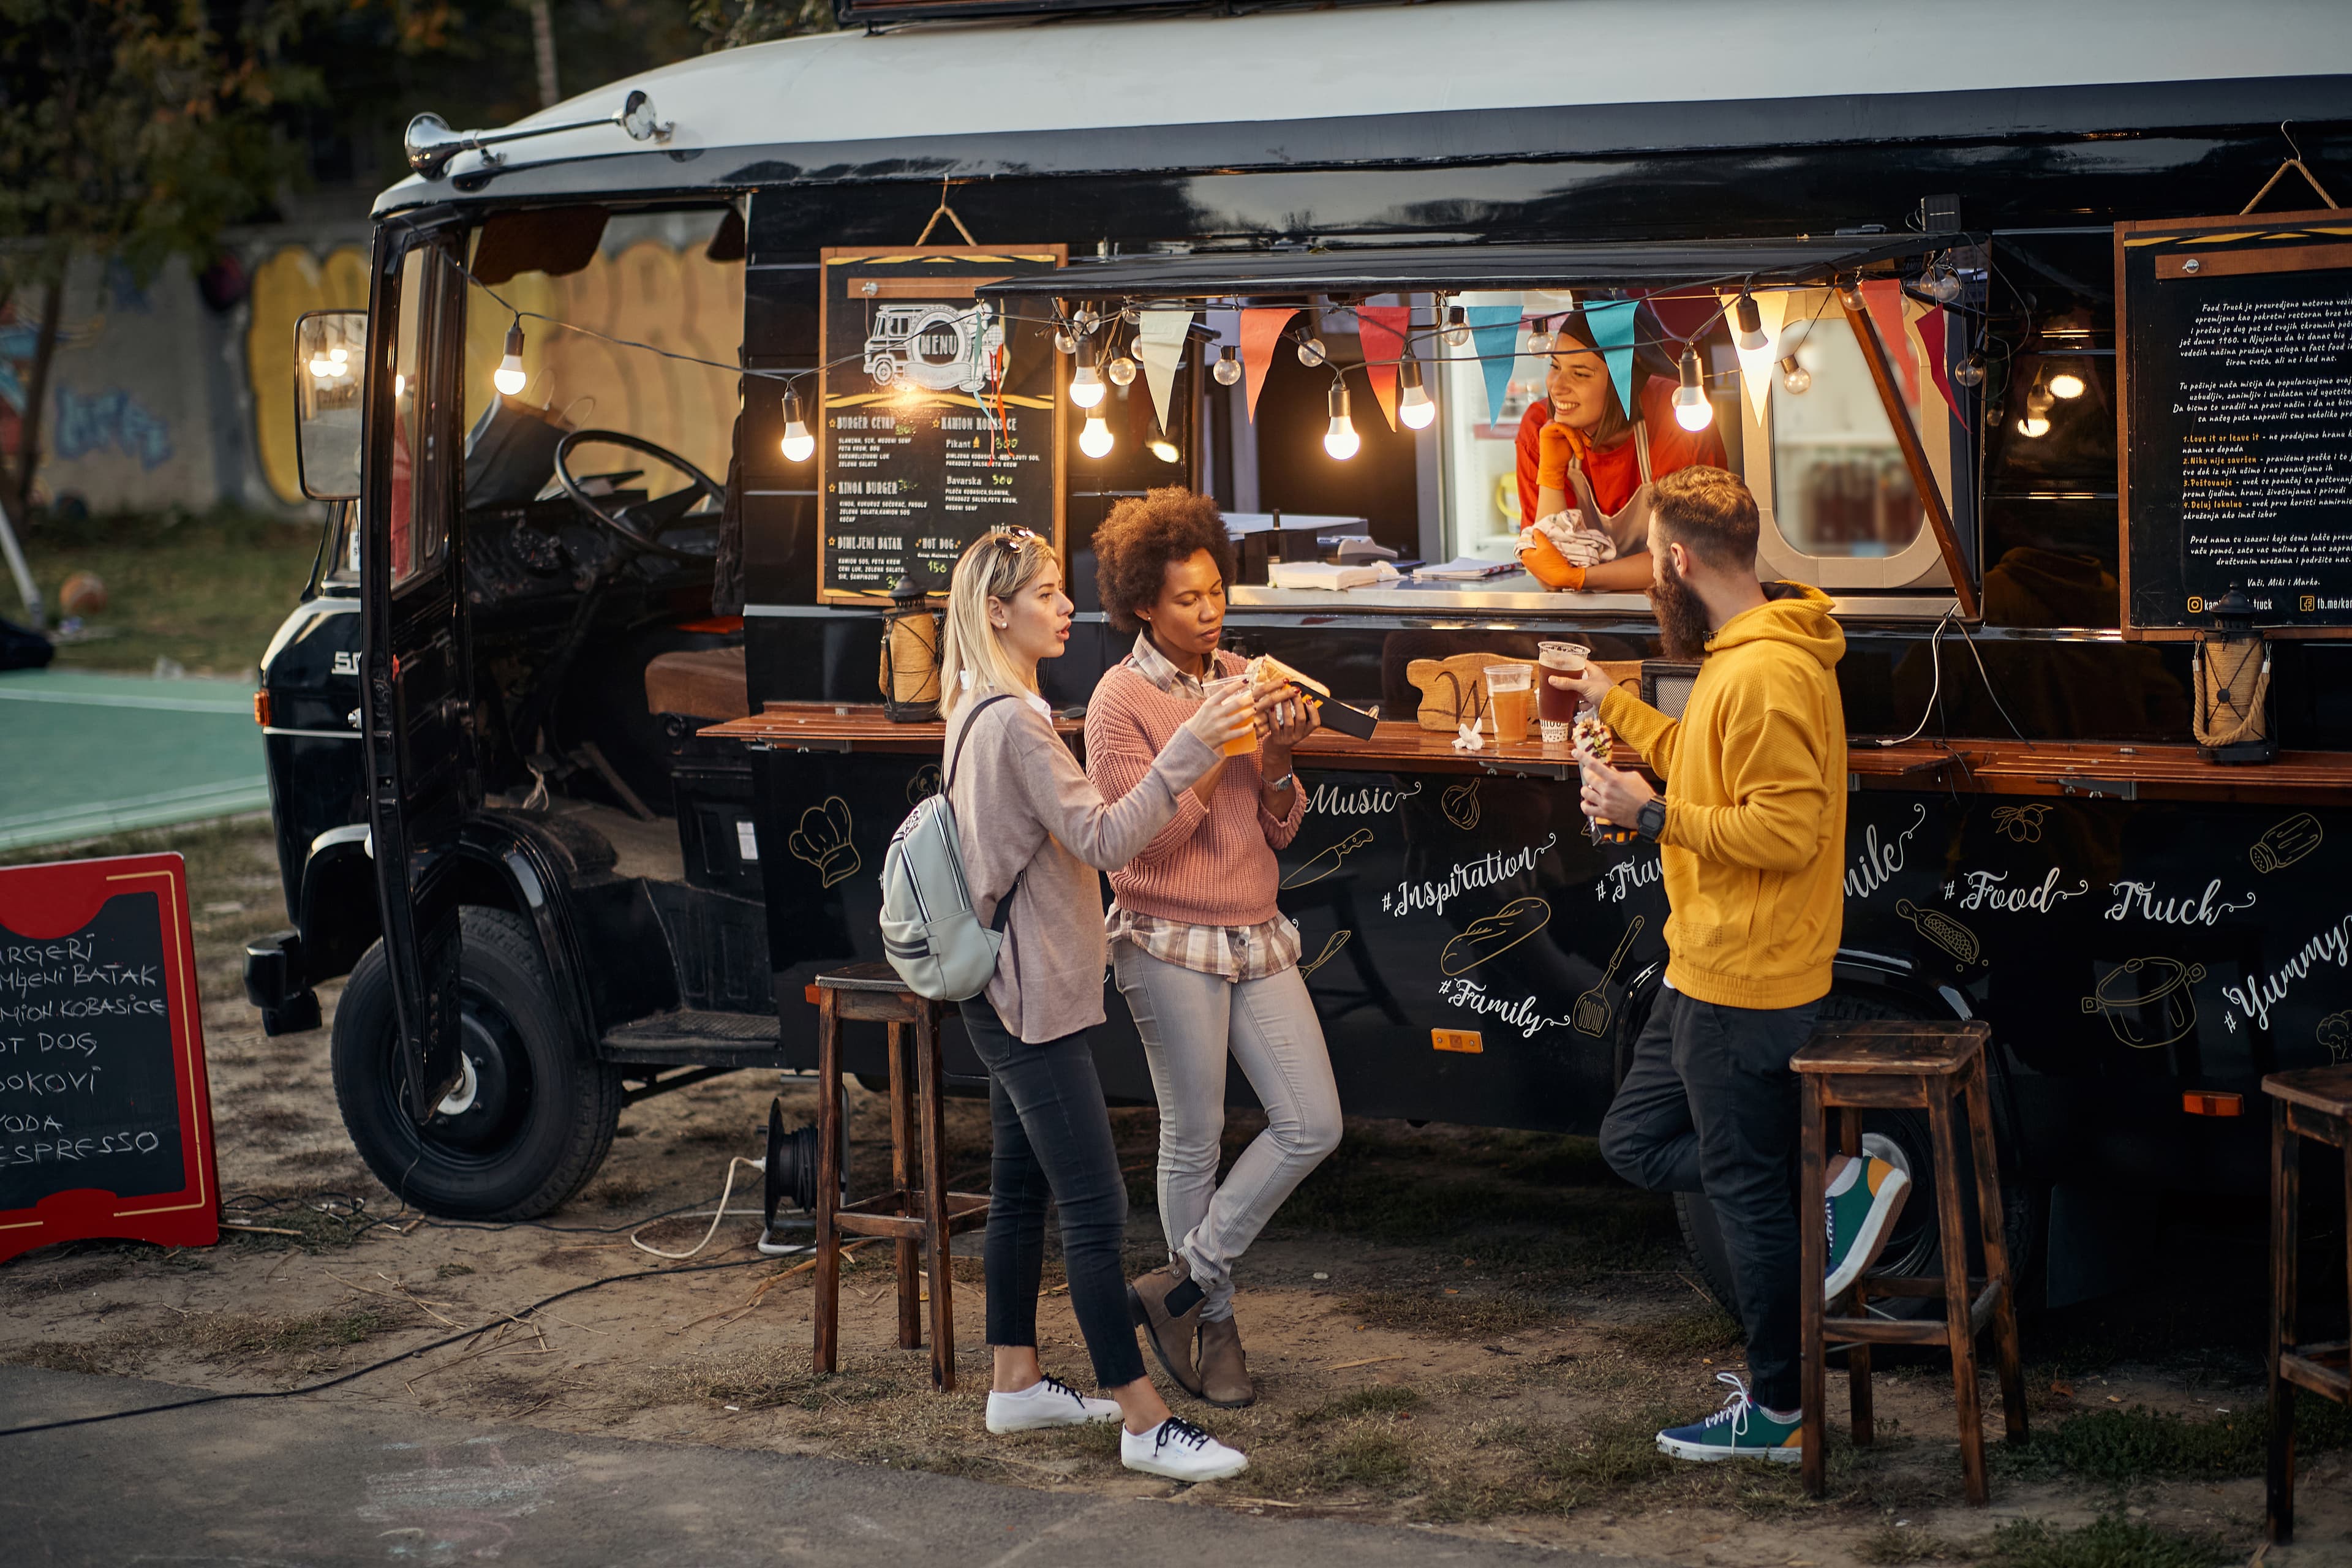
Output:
x=1613 y=334
x=1756 y=364
x=1931 y=325
x=1383 y=329
x=1260 y=335
x=1883 y=299
x=1494 y=333
x=1160 y=334
x=1683 y=312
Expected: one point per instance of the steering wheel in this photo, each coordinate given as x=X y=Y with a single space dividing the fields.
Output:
x=641 y=524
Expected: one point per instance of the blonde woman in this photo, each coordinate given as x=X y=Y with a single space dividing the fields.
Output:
x=1034 y=831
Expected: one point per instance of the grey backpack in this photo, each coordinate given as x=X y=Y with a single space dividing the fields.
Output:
x=930 y=933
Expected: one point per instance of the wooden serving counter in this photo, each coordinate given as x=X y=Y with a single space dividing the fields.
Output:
x=1969 y=766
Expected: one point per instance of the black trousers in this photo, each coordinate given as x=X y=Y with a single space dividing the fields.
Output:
x=1053 y=1141
x=1710 y=1106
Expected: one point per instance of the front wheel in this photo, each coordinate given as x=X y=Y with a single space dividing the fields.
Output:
x=530 y=1119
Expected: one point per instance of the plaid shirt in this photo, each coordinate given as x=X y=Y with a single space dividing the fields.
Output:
x=1237 y=952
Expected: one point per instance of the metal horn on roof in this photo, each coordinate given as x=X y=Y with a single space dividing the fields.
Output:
x=431 y=144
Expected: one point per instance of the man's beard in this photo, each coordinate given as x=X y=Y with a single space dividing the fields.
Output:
x=1682 y=616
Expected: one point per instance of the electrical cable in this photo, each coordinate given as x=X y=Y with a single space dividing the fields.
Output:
x=1986 y=676
x=448 y=1340
x=1936 y=663
x=725 y=1192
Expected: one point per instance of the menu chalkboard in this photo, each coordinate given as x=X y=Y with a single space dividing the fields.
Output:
x=2234 y=355
x=941 y=414
x=105 y=1116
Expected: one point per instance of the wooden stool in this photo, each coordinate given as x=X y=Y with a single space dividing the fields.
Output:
x=2314 y=1103
x=1894 y=1065
x=910 y=1214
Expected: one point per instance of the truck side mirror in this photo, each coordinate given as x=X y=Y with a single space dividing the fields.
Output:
x=330 y=373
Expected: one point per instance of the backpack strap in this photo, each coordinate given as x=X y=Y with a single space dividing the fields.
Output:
x=1005 y=904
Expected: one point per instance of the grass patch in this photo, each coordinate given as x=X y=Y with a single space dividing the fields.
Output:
x=2111 y=1542
x=1607 y=1456
x=1451 y=1317
x=1708 y=1331
x=2121 y=1446
x=1380 y=1399
x=765 y=1379
x=1891 y=1547
x=230 y=1336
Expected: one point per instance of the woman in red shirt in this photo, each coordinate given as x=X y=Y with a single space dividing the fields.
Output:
x=1585 y=470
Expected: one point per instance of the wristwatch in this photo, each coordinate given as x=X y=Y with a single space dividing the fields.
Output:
x=1284 y=782
x=1650 y=820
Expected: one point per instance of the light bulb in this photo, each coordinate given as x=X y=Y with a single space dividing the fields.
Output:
x=1227 y=369
x=1850 y=295
x=1341 y=440
x=1414 y=406
x=1311 y=352
x=1692 y=410
x=1086 y=381
x=1750 y=321
x=1795 y=377
x=1539 y=342
x=1458 y=326
x=1122 y=372
x=399 y=384
x=1065 y=342
x=1946 y=286
x=1925 y=283
x=338 y=361
x=321 y=369
x=2066 y=383
x=1095 y=439
x=1161 y=448
x=1969 y=372
x=799 y=444
x=508 y=377
x=1085 y=321
x=2033 y=425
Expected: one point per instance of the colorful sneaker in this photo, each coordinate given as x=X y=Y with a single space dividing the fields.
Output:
x=1740 y=1430
x=1048 y=1402
x=1861 y=1205
x=1179 y=1451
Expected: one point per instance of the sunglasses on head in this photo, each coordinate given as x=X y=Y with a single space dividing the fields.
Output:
x=1012 y=540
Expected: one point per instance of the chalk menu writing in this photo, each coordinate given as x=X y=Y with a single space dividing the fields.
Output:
x=939 y=414
x=2238 y=422
x=102 y=1115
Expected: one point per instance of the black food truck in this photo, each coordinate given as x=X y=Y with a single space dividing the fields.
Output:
x=589 y=736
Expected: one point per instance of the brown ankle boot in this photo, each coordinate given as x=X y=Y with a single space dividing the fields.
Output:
x=1224 y=1369
x=1170 y=1334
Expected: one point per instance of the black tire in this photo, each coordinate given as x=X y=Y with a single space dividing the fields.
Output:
x=1915 y=1249
x=541 y=1110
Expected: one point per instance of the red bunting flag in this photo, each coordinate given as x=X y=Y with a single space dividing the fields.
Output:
x=1683 y=312
x=1930 y=328
x=1260 y=335
x=1383 y=329
x=1883 y=297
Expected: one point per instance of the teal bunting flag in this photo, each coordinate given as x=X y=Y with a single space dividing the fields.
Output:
x=1494 y=332
x=1613 y=334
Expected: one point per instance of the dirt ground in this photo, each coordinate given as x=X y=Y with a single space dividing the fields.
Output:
x=1467 y=1331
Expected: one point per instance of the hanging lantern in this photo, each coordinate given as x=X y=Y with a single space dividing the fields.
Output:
x=2232 y=667
x=910 y=655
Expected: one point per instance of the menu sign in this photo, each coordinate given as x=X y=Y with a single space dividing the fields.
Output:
x=941 y=414
x=2235 y=361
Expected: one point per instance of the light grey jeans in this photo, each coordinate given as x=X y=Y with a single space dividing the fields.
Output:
x=1189 y=1021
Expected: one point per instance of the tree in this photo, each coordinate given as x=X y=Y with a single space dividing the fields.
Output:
x=131 y=130
x=734 y=23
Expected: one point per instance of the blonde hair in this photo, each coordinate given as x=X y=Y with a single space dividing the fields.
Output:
x=996 y=566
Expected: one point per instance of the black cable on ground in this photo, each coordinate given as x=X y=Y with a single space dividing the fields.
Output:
x=373 y=1366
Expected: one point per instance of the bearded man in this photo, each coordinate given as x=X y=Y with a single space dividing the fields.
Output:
x=1751 y=836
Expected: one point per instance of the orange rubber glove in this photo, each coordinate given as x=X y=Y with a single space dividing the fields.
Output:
x=1556 y=448
x=1547 y=565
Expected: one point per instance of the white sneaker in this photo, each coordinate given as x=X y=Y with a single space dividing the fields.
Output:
x=1048 y=1402
x=1179 y=1451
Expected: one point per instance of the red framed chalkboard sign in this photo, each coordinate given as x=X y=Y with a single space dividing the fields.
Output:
x=105 y=1113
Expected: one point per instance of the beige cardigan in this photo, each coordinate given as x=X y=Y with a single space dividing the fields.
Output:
x=1024 y=809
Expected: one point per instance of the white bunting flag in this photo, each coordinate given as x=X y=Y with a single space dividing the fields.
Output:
x=1160 y=347
x=1756 y=364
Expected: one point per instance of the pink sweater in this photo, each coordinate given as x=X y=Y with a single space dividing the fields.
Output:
x=1212 y=864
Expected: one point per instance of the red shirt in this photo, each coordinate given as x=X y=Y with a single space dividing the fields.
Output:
x=1616 y=473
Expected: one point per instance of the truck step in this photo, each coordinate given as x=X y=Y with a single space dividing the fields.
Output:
x=686 y=1035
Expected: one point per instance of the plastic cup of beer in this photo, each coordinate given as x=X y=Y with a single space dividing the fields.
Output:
x=1508 y=688
x=1555 y=709
x=1248 y=741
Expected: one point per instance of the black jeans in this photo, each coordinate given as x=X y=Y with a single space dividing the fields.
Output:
x=1710 y=1106
x=1053 y=1139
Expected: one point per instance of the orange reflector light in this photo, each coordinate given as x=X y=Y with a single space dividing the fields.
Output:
x=261 y=709
x=2212 y=1102
x=1465 y=1040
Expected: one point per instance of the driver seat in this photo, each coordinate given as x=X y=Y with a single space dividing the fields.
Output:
x=699 y=682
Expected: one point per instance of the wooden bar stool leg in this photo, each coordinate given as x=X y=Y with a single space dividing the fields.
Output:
x=1961 y=1337
x=826 y=1310
x=902 y=1144
x=1857 y=1355
x=1813 y=1268
x=939 y=1265
x=1994 y=1219
x=2286 y=1198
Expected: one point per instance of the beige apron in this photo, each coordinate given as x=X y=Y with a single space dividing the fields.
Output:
x=1629 y=526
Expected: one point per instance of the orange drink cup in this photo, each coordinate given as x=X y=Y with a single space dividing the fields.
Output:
x=1248 y=743
x=1511 y=691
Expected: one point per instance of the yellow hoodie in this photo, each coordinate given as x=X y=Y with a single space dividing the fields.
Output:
x=1754 y=848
